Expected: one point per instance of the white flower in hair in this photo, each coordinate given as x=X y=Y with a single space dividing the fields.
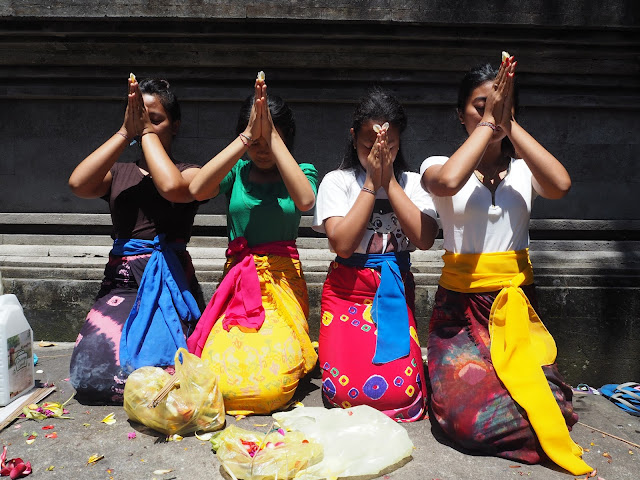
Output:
x=377 y=128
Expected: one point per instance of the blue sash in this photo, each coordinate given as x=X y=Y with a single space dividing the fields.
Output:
x=389 y=309
x=153 y=333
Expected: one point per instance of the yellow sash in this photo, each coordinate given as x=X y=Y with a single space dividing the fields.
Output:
x=520 y=344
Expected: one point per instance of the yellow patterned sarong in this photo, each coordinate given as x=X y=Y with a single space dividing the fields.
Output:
x=520 y=344
x=259 y=370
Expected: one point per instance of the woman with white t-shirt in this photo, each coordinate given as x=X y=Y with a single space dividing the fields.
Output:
x=495 y=385
x=374 y=213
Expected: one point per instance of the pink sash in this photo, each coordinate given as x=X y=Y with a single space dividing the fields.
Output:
x=238 y=296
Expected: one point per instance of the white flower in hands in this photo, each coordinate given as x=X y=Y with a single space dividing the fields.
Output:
x=505 y=55
x=132 y=77
x=377 y=128
x=261 y=75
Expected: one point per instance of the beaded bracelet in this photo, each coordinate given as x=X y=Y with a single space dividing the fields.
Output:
x=123 y=136
x=249 y=139
x=368 y=190
x=244 y=142
x=492 y=126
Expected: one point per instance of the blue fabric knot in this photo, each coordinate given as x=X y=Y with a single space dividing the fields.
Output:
x=389 y=309
x=153 y=331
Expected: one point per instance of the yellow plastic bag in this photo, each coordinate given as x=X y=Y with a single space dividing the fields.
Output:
x=250 y=455
x=193 y=404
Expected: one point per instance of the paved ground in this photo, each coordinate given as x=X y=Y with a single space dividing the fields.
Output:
x=66 y=456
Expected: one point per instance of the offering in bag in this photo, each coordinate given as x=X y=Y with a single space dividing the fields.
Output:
x=186 y=402
x=250 y=455
x=357 y=441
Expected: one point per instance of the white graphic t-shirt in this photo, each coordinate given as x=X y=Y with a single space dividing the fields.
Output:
x=338 y=192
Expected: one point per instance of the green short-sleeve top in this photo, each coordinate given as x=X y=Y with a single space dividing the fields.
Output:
x=261 y=212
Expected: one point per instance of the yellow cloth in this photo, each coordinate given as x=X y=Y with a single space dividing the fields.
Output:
x=259 y=370
x=520 y=344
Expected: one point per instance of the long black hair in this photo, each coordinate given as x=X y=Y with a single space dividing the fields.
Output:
x=472 y=80
x=161 y=89
x=281 y=115
x=381 y=106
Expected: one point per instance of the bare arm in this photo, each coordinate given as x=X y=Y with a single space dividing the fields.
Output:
x=419 y=227
x=345 y=233
x=92 y=178
x=172 y=184
x=447 y=180
x=294 y=179
x=550 y=179
x=206 y=183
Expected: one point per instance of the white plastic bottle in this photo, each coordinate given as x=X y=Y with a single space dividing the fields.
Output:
x=16 y=350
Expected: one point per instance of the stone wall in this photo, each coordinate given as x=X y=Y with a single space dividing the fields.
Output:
x=64 y=65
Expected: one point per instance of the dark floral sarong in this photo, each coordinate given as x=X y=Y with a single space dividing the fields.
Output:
x=468 y=400
x=95 y=370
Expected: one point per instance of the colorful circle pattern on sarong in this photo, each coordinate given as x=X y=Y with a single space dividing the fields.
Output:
x=347 y=346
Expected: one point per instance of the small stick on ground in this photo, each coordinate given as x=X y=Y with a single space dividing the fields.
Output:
x=610 y=435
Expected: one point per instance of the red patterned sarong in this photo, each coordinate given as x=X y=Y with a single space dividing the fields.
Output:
x=468 y=400
x=347 y=346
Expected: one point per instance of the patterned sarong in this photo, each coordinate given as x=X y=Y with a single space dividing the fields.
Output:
x=348 y=342
x=259 y=369
x=95 y=370
x=467 y=399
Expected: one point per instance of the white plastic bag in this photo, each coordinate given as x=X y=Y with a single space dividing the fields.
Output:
x=356 y=441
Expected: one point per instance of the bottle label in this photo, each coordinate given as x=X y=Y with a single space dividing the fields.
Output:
x=20 y=371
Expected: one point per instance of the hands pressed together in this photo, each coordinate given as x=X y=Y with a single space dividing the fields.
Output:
x=379 y=165
x=499 y=106
x=260 y=122
x=136 y=117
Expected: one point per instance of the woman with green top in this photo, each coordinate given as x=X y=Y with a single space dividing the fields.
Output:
x=254 y=331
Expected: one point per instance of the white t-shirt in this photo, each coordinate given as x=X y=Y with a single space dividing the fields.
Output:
x=471 y=224
x=338 y=192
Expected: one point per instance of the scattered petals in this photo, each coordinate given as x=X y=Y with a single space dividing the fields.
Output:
x=174 y=438
x=32 y=438
x=50 y=468
x=281 y=432
x=39 y=371
x=66 y=379
x=46 y=344
x=18 y=426
x=13 y=468
x=109 y=419
x=240 y=417
x=515 y=466
x=48 y=427
x=298 y=404
x=162 y=472
x=51 y=435
x=630 y=452
x=204 y=437
x=94 y=458
x=86 y=424
x=260 y=424
x=131 y=435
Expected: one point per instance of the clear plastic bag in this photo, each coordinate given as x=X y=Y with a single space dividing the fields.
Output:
x=357 y=441
x=194 y=404
x=253 y=455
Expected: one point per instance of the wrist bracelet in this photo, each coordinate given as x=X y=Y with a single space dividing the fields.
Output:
x=492 y=126
x=242 y=139
x=368 y=190
x=144 y=133
x=123 y=136
x=249 y=139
